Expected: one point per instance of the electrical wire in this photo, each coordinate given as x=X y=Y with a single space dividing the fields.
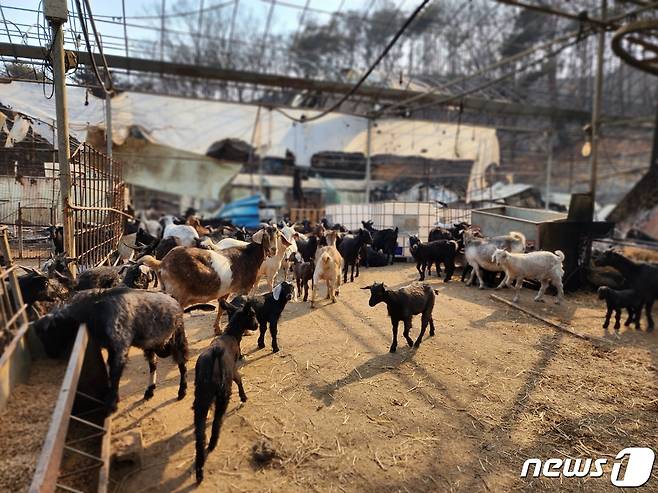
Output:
x=365 y=76
x=85 y=33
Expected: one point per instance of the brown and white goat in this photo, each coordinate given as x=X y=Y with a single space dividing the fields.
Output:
x=194 y=275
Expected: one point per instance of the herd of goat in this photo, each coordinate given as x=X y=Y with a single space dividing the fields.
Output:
x=193 y=264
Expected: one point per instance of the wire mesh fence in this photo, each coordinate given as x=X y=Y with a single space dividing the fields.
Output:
x=97 y=195
x=30 y=193
x=411 y=218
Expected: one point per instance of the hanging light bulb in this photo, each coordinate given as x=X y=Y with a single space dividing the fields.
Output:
x=586 y=150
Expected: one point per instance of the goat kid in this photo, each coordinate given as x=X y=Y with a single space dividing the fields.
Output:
x=268 y=308
x=643 y=278
x=402 y=304
x=215 y=371
x=616 y=300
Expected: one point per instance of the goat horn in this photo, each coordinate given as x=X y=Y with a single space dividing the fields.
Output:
x=32 y=270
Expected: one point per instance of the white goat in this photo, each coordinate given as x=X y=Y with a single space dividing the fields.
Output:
x=184 y=234
x=542 y=266
x=152 y=227
x=478 y=253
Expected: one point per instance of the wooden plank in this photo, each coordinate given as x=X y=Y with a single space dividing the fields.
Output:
x=14 y=365
x=47 y=470
x=106 y=451
x=555 y=325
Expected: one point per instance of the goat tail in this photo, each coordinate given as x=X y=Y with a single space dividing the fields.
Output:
x=519 y=236
x=150 y=261
x=560 y=255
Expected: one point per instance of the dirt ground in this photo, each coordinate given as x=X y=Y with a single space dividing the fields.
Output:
x=462 y=413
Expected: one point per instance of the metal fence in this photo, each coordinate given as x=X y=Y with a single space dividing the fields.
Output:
x=97 y=196
x=30 y=200
x=411 y=218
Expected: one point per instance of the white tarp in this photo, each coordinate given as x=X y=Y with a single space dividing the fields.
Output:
x=194 y=125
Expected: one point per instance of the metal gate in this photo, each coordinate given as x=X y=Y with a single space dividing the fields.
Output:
x=97 y=195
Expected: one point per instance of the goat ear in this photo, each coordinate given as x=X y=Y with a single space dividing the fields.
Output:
x=276 y=292
x=258 y=236
x=366 y=287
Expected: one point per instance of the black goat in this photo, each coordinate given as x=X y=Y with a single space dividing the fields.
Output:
x=41 y=292
x=106 y=277
x=642 y=278
x=439 y=233
x=215 y=371
x=617 y=300
x=384 y=240
x=402 y=304
x=103 y=277
x=437 y=252
x=307 y=247
x=335 y=227
x=303 y=272
x=56 y=234
x=349 y=249
x=268 y=308
x=370 y=258
x=117 y=319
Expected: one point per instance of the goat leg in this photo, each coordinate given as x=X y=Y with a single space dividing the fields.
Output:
x=273 y=332
x=517 y=289
x=117 y=362
x=262 y=326
x=431 y=326
x=201 y=408
x=221 y=404
x=423 y=325
x=648 y=308
x=450 y=270
x=421 y=272
x=608 y=314
x=407 y=328
x=542 y=289
x=153 y=367
x=617 y=317
x=237 y=378
x=557 y=282
x=630 y=316
x=394 y=344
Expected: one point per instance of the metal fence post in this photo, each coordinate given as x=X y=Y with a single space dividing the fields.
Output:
x=63 y=150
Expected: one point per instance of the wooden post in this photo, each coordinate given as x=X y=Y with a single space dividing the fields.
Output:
x=368 y=163
x=596 y=107
x=20 y=231
x=63 y=151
